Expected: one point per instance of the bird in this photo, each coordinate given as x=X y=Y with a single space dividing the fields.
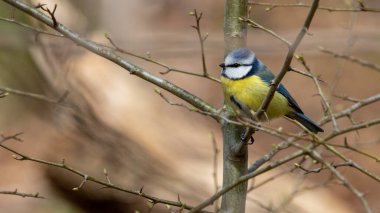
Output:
x=246 y=81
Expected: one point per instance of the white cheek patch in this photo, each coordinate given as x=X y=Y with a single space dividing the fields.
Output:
x=237 y=72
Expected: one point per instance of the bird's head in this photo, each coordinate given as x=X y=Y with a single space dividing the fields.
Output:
x=239 y=64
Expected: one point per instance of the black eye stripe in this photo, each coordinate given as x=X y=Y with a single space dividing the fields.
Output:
x=234 y=65
x=237 y=65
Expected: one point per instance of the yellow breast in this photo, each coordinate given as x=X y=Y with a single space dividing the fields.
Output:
x=251 y=92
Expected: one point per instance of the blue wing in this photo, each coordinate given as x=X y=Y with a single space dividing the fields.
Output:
x=267 y=76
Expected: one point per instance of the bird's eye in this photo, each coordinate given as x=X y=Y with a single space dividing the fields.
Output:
x=234 y=65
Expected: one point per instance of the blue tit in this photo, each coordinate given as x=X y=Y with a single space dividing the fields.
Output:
x=246 y=81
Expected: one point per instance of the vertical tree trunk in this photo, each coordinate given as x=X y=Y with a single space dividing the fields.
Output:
x=235 y=33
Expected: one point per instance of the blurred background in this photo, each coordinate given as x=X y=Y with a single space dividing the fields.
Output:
x=111 y=119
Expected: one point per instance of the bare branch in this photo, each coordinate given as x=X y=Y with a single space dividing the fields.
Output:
x=347 y=98
x=244 y=178
x=349 y=147
x=51 y=13
x=305 y=74
x=307 y=171
x=22 y=157
x=201 y=38
x=262 y=183
x=288 y=60
x=254 y=24
x=361 y=7
x=352 y=163
x=353 y=108
x=11 y=137
x=321 y=93
x=149 y=59
x=250 y=124
x=36 y=30
x=112 y=56
x=36 y=96
x=362 y=62
x=354 y=127
x=338 y=175
x=22 y=194
x=215 y=170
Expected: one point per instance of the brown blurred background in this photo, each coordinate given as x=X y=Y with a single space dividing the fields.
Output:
x=116 y=121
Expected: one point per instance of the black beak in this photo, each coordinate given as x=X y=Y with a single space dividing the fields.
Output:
x=222 y=65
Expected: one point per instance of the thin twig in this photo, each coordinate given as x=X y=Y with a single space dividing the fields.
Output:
x=361 y=7
x=347 y=98
x=252 y=172
x=35 y=95
x=51 y=13
x=362 y=62
x=349 y=147
x=265 y=207
x=305 y=74
x=307 y=171
x=215 y=170
x=289 y=196
x=348 y=111
x=352 y=163
x=288 y=60
x=320 y=93
x=313 y=154
x=318 y=170
x=244 y=178
x=262 y=183
x=149 y=59
x=22 y=194
x=11 y=137
x=254 y=24
x=29 y=27
x=351 y=128
x=113 y=56
x=201 y=38
x=22 y=157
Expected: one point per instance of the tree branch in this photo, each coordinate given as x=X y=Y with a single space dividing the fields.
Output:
x=35 y=95
x=107 y=183
x=22 y=194
x=254 y=24
x=112 y=56
x=149 y=59
x=360 y=61
x=201 y=38
x=245 y=178
x=325 y=101
x=288 y=60
x=36 y=30
x=314 y=155
x=353 y=108
x=361 y=7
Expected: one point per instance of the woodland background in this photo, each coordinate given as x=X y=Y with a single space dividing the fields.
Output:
x=111 y=119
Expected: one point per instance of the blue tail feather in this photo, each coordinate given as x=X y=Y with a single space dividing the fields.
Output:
x=305 y=121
